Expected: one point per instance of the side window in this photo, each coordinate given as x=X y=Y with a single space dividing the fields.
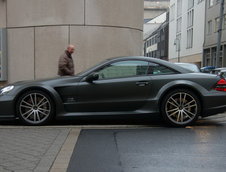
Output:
x=124 y=69
x=157 y=69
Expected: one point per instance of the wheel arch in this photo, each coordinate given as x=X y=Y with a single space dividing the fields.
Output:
x=49 y=91
x=181 y=86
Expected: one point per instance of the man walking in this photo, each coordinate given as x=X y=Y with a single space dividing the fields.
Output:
x=66 y=64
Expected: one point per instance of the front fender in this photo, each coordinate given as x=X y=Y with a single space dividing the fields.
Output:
x=49 y=90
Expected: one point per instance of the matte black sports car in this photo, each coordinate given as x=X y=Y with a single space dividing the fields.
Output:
x=118 y=86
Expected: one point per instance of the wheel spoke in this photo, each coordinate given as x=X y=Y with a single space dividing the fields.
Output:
x=172 y=103
x=173 y=114
x=44 y=110
x=180 y=99
x=178 y=116
x=176 y=103
x=27 y=112
x=172 y=110
x=41 y=101
x=34 y=119
x=26 y=103
x=189 y=113
x=26 y=106
x=184 y=99
x=38 y=116
x=47 y=102
x=188 y=103
x=43 y=113
x=186 y=115
x=191 y=106
x=32 y=101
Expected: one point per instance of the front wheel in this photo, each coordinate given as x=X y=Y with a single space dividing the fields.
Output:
x=35 y=107
x=180 y=107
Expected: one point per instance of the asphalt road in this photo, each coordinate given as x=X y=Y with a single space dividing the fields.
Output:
x=201 y=147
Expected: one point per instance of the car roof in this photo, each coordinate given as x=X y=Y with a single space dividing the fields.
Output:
x=151 y=59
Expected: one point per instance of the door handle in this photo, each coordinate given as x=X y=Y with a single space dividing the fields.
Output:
x=142 y=83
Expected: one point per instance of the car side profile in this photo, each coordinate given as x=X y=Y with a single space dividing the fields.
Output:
x=122 y=86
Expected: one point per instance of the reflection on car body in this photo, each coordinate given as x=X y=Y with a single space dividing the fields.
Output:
x=122 y=86
x=219 y=71
x=190 y=66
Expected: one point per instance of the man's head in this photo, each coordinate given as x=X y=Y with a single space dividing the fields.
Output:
x=71 y=48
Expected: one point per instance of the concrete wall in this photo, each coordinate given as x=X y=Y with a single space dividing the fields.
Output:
x=2 y=13
x=39 y=31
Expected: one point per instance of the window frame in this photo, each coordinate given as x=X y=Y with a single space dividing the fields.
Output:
x=146 y=74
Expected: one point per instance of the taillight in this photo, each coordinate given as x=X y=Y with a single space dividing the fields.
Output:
x=221 y=85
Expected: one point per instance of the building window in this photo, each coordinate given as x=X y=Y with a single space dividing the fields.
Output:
x=189 y=38
x=1 y=54
x=172 y=12
x=209 y=27
x=225 y=21
x=3 y=58
x=217 y=21
x=211 y=2
x=149 y=42
x=179 y=20
x=190 y=4
x=179 y=8
x=178 y=42
x=190 y=18
x=199 y=1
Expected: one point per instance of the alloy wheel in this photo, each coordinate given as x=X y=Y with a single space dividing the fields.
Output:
x=181 y=108
x=35 y=108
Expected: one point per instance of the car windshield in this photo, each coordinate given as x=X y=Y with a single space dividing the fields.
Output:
x=189 y=66
x=92 y=67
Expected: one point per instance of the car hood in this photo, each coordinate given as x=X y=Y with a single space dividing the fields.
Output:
x=48 y=81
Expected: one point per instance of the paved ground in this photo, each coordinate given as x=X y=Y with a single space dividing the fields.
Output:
x=49 y=148
x=30 y=149
x=150 y=149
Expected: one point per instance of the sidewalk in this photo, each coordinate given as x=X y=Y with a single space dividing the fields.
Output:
x=25 y=149
x=41 y=149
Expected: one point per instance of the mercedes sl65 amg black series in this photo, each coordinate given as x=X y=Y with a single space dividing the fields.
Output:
x=118 y=86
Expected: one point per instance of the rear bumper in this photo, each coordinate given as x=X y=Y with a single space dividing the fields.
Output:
x=214 y=103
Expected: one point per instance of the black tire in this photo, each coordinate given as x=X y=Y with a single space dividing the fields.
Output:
x=35 y=108
x=180 y=108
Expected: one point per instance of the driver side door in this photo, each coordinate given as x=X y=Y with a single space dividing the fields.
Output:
x=122 y=86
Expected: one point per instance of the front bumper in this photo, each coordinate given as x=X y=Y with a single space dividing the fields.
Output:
x=7 y=108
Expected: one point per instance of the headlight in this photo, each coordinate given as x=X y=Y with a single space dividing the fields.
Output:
x=6 y=89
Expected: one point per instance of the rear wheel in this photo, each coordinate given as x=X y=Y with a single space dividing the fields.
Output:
x=180 y=107
x=35 y=107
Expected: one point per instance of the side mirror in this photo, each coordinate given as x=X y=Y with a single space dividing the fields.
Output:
x=92 y=77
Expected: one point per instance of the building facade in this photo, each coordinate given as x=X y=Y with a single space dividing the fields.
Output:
x=38 y=32
x=156 y=43
x=211 y=34
x=186 y=31
x=154 y=8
